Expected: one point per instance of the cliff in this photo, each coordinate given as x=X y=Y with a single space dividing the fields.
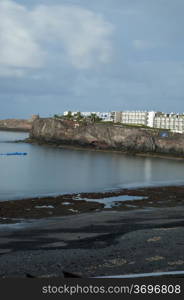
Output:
x=107 y=136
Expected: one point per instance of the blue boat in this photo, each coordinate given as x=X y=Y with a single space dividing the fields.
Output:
x=14 y=153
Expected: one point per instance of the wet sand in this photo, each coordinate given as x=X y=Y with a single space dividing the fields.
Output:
x=84 y=238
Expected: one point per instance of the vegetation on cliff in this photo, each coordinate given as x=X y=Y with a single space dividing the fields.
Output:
x=93 y=118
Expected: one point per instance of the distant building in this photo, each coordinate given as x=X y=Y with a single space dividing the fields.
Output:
x=105 y=116
x=150 y=118
x=135 y=117
x=173 y=122
x=116 y=116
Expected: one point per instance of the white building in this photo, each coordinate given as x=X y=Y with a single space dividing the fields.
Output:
x=135 y=117
x=150 y=118
x=174 y=122
x=105 y=116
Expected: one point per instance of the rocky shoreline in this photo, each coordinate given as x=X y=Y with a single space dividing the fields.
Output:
x=170 y=156
x=69 y=204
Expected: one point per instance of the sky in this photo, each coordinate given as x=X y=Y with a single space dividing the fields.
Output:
x=83 y=55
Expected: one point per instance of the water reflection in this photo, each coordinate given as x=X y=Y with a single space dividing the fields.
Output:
x=147 y=170
x=113 y=201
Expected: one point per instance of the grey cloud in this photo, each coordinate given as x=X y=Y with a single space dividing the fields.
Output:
x=145 y=69
x=26 y=36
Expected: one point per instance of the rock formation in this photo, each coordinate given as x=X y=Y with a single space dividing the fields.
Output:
x=107 y=136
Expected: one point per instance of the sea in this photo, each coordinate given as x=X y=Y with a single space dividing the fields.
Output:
x=51 y=171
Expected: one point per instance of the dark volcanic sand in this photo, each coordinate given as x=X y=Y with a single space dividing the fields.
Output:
x=93 y=241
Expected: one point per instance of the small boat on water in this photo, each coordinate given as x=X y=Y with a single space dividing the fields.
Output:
x=14 y=153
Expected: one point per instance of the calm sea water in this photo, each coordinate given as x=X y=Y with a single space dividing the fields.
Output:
x=51 y=171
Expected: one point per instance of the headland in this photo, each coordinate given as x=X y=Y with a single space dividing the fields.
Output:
x=107 y=137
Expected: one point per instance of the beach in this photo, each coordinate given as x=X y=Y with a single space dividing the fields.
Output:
x=137 y=236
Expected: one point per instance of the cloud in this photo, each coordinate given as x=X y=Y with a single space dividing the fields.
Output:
x=60 y=51
x=84 y=34
x=30 y=38
x=18 y=46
